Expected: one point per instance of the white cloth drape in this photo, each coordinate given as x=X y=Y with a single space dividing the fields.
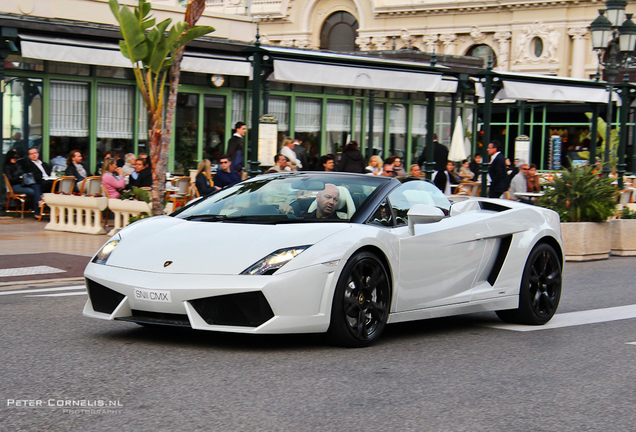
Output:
x=397 y=120
x=238 y=107
x=338 y=116
x=69 y=109
x=143 y=120
x=308 y=115
x=418 y=126
x=114 y=111
x=279 y=108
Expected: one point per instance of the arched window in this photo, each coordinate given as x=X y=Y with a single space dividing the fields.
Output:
x=339 y=32
x=483 y=51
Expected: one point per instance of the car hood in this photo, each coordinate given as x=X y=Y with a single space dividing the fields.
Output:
x=195 y=247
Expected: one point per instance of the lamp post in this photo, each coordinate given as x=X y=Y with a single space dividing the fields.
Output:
x=618 y=35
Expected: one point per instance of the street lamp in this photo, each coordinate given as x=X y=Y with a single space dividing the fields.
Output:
x=618 y=35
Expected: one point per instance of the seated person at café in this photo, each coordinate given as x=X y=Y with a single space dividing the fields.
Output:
x=202 y=180
x=519 y=184
x=464 y=171
x=452 y=173
x=398 y=168
x=444 y=179
x=142 y=176
x=280 y=165
x=75 y=167
x=41 y=170
x=533 y=179
x=112 y=178
x=14 y=173
x=415 y=171
x=225 y=176
x=129 y=165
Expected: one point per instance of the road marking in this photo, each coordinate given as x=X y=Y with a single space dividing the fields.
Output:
x=28 y=291
x=58 y=294
x=630 y=343
x=575 y=318
x=28 y=271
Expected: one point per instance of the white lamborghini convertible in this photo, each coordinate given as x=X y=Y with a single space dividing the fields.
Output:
x=335 y=253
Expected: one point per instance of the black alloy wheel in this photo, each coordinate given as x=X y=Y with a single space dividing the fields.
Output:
x=361 y=302
x=540 y=290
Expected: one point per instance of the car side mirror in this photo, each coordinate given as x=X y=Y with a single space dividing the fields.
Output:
x=422 y=214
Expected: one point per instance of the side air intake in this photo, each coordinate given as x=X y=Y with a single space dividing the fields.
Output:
x=502 y=253
x=485 y=205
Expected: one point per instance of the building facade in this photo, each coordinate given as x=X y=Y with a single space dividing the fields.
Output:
x=66 y=89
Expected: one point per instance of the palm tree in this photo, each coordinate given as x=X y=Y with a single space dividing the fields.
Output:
x=156 y=52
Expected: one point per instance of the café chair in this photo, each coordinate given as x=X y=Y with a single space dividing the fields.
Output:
x=91 y=186
x=64 y=185
x=180 y=191
x=15 y=197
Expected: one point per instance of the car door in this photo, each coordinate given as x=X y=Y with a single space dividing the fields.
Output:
x=438 y=264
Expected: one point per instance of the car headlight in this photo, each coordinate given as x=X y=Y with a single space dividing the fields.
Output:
x=274 y=261
x=104 y=253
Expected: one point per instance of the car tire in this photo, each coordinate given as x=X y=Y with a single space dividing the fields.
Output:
x=361 y=302
x=540 y=289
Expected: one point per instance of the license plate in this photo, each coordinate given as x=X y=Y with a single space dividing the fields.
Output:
x=152 y=295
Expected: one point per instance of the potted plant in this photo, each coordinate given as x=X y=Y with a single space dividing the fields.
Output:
x=624 y=233
x=584 y=201
x=129 y=207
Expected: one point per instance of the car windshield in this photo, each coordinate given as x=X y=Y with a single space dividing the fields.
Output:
x=289 y=197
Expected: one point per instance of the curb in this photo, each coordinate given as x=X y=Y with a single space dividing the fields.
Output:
x=42 y=281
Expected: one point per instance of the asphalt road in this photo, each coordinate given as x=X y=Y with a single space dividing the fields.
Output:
x=453 y=374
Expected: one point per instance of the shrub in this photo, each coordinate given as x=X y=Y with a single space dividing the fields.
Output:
x=628 y=214
x=580 y=195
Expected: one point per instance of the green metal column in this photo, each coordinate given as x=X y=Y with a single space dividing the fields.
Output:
x=626 y=99
x=409 y=136
x=429 y=165
x=485 y=163
x=257 y=59
x=371 y=120
x=200 y=126
x=92 y=124
x=594 y=135
x=522 y=118
x=634 y=151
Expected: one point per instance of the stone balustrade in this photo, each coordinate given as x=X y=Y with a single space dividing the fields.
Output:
x=123 y=210
x=72 y=213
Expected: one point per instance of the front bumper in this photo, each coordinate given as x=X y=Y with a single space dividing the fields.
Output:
x=292 y=302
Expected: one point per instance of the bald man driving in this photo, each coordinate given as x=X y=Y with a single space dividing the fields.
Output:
x=326 y=203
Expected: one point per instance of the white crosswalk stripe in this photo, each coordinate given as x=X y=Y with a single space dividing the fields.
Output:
x=28 y=271
x=570 y=319
x=59 y=294
x=38 y=290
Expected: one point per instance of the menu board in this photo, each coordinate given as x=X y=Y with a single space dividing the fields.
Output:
x=267 y=139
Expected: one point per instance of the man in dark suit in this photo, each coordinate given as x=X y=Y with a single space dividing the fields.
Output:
x=40 y=170
x=235 y=147
x=440 y=155
x=497 y=171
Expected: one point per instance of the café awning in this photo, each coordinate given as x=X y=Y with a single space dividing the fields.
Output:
x=542 y=88
x=322 y=74
x=108 y=54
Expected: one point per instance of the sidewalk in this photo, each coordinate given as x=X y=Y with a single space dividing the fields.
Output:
x=30 y=254
x=19 y=236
